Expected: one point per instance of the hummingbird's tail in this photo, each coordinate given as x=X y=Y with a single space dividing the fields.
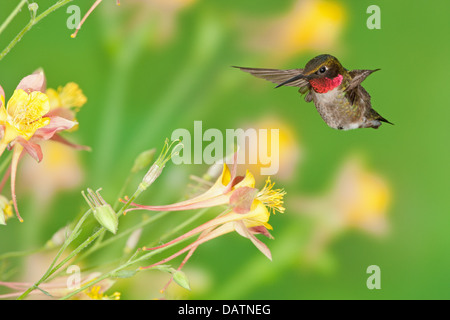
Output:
x=384 y=120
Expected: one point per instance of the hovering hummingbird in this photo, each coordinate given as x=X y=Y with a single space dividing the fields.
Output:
x=337 y=93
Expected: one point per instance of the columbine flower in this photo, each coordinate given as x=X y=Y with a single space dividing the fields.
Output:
x=24 y=113
x=25 y=121
x=253 y=221
x=66 y=101
x=218 y=194
x=248 y=213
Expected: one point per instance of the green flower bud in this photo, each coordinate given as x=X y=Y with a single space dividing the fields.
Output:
x=143 y=160
x=103 y=212
x=180 y=278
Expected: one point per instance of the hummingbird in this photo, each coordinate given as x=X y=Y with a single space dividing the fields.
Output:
x=336 y=92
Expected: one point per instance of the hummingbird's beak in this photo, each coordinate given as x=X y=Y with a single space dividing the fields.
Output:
x=300 y=76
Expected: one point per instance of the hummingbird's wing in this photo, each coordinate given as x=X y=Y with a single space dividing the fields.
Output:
x=358 y=95
x=358 y=76
x=278 y=76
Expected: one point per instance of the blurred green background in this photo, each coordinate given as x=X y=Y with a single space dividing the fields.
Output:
x=149 y=67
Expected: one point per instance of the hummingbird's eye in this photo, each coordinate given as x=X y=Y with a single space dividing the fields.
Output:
x=322 y=70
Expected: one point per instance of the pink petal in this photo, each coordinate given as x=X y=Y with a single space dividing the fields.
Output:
x=61 y=112
x=14 y=162
x=261 y=230
x=205 y=237
x=60 y=139
x=33 y=149
x=185 y=205
x=242 y=198
x=2 y=93
x=243 y=231
x=202 y=228
x=56 y=124
x=33 y=82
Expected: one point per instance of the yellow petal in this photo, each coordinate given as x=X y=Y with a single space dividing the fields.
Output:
x=248 y=181
x=72 y=96
x=225 y=177
x=53 y=96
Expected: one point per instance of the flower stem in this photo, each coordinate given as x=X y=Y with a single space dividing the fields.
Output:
x=34 y=20
x=12 y=15
x=50 y=269
x=5 y=162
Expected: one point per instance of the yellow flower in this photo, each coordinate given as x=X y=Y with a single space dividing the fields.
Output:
x=26 y=120
x=23 y=115
x=248 y=212
x=361 y=198
x=285 y=148
x=66 y=101
x=95 y=293
x=69 y=96
x=308 y=25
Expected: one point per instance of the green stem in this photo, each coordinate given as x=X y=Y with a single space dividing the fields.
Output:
x=12 y=15
x=111 y=274
x=6 y=162
x=132 y=261
x=33 y=21
x=21 y=253
x=50 y=269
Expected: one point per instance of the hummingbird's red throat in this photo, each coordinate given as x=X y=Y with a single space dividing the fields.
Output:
x=323 y=85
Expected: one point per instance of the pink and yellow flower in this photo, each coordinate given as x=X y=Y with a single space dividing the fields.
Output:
x=248 y=212
x=27 y=119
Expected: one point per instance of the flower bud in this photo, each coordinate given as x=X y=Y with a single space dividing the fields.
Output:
x=156 y=169
x=103 y=212
x=106 y=216
x=143 y=160
x=58 y=238
x=181 y=279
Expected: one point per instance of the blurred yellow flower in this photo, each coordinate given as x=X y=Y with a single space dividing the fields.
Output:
x=309 y=25
x=286 y=150
x=95 y=293
x=66 y=102
x=5 y=209
x=164 y=13
x=358 y=199
x=361 y=198
x=69 y=96
x=59 y=170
